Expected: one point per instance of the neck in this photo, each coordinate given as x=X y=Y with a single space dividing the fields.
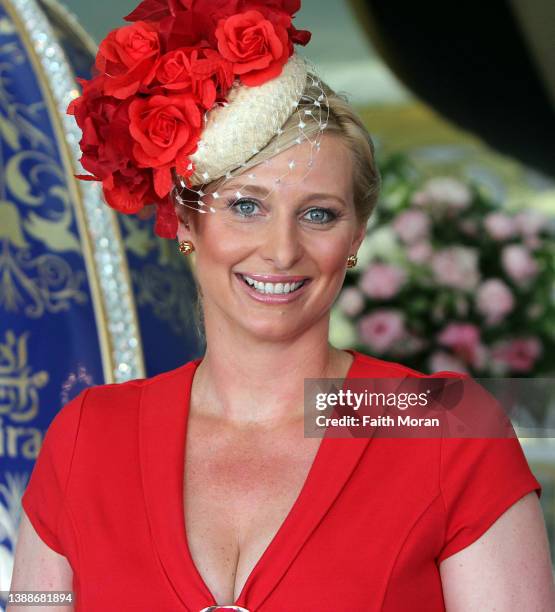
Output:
x=262 y=381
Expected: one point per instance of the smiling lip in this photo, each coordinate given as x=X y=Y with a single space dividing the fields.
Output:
x=273 y=278
x=273 y=298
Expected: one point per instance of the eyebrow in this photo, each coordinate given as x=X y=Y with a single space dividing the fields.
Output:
x=262 y=191
x=255 y=189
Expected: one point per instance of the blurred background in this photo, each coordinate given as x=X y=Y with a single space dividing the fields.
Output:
x=457 y=271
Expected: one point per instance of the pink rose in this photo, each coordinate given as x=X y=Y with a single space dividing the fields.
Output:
x=419 y=252
x=530 y=222
x=412 y=226
x=494 y=300
x=500 y=226
x=464 y=340
x=517 y=355
x=456 y=267
x=382 y=281
x=443 y=194
x=382 y=328
x=463 y=335
x=519 y=265
x=440 y=361
x=351 y=301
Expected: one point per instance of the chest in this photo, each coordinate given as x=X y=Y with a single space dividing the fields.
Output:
x=238 y=489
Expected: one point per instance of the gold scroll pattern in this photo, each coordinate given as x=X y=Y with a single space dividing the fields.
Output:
x=32 y=285
x=19 y=385
x=162 y=284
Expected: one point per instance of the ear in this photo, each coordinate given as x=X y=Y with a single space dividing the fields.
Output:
x=358 y=237
x=183 y=223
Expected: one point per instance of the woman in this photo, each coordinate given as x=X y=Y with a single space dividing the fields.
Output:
x=197 y=489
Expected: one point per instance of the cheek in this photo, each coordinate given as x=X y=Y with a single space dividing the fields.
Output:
x=333 y=268
x=222 y=244
x=330 y=252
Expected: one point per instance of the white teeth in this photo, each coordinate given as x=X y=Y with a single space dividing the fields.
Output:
x=272 y=288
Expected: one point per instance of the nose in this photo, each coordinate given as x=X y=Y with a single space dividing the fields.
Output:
x=282 y=245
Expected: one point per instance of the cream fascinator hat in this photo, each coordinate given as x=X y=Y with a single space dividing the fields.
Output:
x=191 y=89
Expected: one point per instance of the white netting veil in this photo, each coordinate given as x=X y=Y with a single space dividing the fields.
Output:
x=251 y=120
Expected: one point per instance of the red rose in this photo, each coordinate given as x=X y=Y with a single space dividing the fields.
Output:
x=272 y=9
x=257 y=47
x=127 y=57
x=128 y=190
x=104 y=122
x=166 y=130
x=201 y=71
x=173 y=70
x=211 y=76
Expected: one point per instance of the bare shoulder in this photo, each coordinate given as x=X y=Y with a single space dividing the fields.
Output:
x=37 y=567
x=508 y=568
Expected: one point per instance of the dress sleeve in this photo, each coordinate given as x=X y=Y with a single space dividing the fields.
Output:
x=479 y=480
x=45 y=493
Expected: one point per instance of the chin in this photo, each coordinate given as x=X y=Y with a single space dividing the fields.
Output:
x=272 y=328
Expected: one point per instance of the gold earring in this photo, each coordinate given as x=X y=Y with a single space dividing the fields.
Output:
x=186 y=247
x=351 y=261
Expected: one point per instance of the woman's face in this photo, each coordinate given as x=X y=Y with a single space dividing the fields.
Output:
x=277 y=233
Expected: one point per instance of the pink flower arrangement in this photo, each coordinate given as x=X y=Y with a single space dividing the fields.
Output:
x=518 y=355
x=412 y=226
x=519 y=264
x=351 y=301
x=443 y=194
x=464 y=340
x=473 y=278
x=419 y=252
x=382 y=281
x=456 y=267
x=500 y=226
x=441 y=361
x=530 y=222
x=494 y=300
x=382 y=328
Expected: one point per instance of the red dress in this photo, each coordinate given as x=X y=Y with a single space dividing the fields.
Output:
x=371 y=524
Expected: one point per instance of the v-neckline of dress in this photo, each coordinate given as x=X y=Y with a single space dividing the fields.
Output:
x=164 y=412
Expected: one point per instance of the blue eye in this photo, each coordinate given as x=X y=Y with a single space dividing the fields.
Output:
x=243 y=207
x=329 y=215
